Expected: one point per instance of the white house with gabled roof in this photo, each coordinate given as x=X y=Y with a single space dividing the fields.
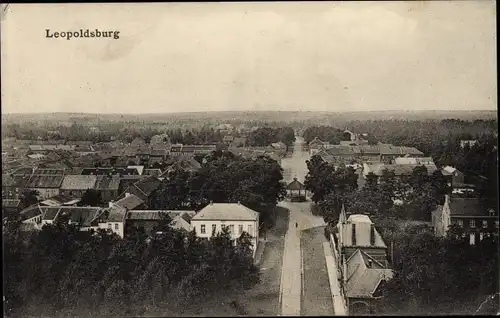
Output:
x=235 y=216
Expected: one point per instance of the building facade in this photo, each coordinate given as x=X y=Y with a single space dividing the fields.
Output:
x=236 y=217
x=471 y=216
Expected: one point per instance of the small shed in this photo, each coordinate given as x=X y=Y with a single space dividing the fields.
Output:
x=296 y=188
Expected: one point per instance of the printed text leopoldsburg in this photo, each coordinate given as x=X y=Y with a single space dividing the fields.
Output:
x=87 y=33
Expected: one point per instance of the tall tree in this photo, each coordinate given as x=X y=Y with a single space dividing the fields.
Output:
x=29 y=197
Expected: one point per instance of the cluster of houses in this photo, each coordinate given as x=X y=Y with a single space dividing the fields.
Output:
x=130 y=211
x=462 y=207
x=69 y=154
x=349 y=153
x=362 y=257
x=124 y=177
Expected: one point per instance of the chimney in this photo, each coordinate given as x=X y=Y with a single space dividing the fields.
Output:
x=369 y=263
x=111 y=204
x=353 y=234
x=211 y=202
x=127 y=194
x=238 y=202
x=372 y=234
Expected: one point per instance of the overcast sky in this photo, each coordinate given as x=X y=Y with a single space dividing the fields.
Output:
x=176 y=57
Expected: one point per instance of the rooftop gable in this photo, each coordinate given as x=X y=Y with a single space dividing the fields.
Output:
x=468 y=207
x=226 y=211
x=78 y=182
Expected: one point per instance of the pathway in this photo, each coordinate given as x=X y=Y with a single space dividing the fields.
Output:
x=291 y=277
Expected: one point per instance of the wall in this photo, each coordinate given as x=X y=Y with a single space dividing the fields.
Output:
x=119 y=231
x=490 y=228
x=78 y=193
x=236 y=234
x=37 y=220
x=148 y=225
x=46 y=193
x=109 y=195
x=11 y=192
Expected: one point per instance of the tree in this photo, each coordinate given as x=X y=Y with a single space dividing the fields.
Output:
x=371 y=181
x=173 y=192
x=91 y=197
x=437 y=275
x=29 y=197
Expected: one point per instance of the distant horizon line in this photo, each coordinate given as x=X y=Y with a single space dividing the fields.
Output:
x=256 y=111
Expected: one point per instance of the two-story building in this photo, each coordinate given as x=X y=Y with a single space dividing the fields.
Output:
x=116 y=215
x=85 y=217
x=400 y=170
x=148 y=220
x=13 y=186
x=473 y=217
x=108 y=187
x=363 y=262
x=77 y=185
x=46 y=181
x=236 y=217
x=389 y=152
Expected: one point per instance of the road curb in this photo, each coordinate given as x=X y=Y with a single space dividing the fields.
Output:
x=280 y=302
x=301 y=269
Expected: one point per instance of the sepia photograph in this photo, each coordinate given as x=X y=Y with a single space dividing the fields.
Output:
x=222 y=159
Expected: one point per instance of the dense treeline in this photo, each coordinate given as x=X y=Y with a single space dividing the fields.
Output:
x=435 y=275
x=225 y=178
x=440 y=140
x=63 y=271
x=265 y=136
x=128 y=131
x=114 y=131
x=325 y=133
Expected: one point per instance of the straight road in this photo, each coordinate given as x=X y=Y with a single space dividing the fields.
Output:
x=300 y=219
x=316 y=297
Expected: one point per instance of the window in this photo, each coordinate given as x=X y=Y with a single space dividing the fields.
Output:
x=240 y=229
x=231 y=228
x=202 y=229
x=250 y=229
x=472 y=238
x=116 y=226
x=109 y=226
x=460 y=223
x=496 y=224
x=214 y=228
x=485 y=224
x=472 y=223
